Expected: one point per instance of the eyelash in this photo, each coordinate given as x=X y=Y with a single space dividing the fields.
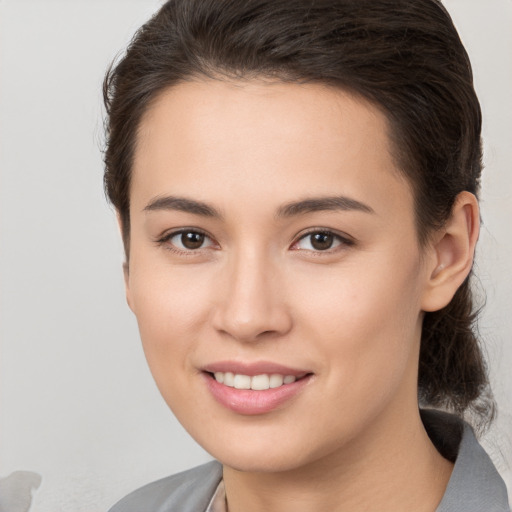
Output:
x=343 y=241
x=167 y=237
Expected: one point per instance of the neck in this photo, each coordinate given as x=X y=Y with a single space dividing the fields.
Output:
x=397 y=469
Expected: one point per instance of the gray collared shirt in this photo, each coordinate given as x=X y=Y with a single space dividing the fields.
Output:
x=474 y=486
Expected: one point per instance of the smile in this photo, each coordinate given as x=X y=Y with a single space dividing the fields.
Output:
x=252 y=389
x=256 y=382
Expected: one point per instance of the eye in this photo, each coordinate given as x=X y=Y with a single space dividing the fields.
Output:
x=187 y=240
x=320 y=241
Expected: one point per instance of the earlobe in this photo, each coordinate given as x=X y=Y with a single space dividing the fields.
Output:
x=126 y=275
x=453 y=252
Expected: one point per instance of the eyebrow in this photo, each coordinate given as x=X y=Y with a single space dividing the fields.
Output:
x=310 y=205
x=317 y=204
x=182 y=204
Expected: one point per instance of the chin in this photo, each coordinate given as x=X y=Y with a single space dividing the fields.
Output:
x=264 y=453
x=256 y=463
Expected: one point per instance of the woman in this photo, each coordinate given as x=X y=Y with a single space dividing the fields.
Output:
x=296 y=188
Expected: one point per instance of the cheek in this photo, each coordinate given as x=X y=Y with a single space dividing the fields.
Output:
x=171 y=314
x=361 y=297
x=367 y=320
x=172 y=310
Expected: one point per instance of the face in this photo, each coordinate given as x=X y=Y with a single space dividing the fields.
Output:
x=273 y=247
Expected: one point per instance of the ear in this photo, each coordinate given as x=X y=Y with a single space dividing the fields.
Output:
x=126 y=275
x=126 y=268
x=453 y=250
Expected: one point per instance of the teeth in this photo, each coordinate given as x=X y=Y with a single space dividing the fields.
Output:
x=242 y=382
x=229 y=379
x=276 y=381
x=260 y=382
x=257 y=383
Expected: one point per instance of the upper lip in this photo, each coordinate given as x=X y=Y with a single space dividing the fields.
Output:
x=253 y=368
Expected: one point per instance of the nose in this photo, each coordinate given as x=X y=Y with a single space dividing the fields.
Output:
x=252 y=306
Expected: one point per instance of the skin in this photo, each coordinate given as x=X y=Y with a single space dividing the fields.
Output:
x=257 y=290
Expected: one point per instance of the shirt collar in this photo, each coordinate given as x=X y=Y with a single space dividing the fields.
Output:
x=475 y=485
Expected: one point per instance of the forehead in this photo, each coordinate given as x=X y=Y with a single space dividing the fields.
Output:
x=266 y=138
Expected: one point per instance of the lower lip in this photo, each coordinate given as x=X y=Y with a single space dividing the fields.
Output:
x=250 y=402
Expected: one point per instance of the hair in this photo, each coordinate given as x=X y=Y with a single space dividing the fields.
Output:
x=403 y=56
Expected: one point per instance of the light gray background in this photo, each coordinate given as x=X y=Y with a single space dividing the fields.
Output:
x=78 y=405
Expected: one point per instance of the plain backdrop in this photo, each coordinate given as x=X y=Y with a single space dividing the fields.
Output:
x=77 y=403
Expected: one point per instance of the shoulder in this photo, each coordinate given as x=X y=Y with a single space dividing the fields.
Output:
x=187 y=491
x=475 y=484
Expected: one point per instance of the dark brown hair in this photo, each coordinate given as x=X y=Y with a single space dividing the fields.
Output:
x=403 y=56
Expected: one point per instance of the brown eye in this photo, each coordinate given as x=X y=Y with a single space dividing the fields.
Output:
x=188 y=240
x=322 y=241
x=318 y=241
x=192 y=240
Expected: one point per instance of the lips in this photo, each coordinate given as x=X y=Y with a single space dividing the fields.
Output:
x=256 y=388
